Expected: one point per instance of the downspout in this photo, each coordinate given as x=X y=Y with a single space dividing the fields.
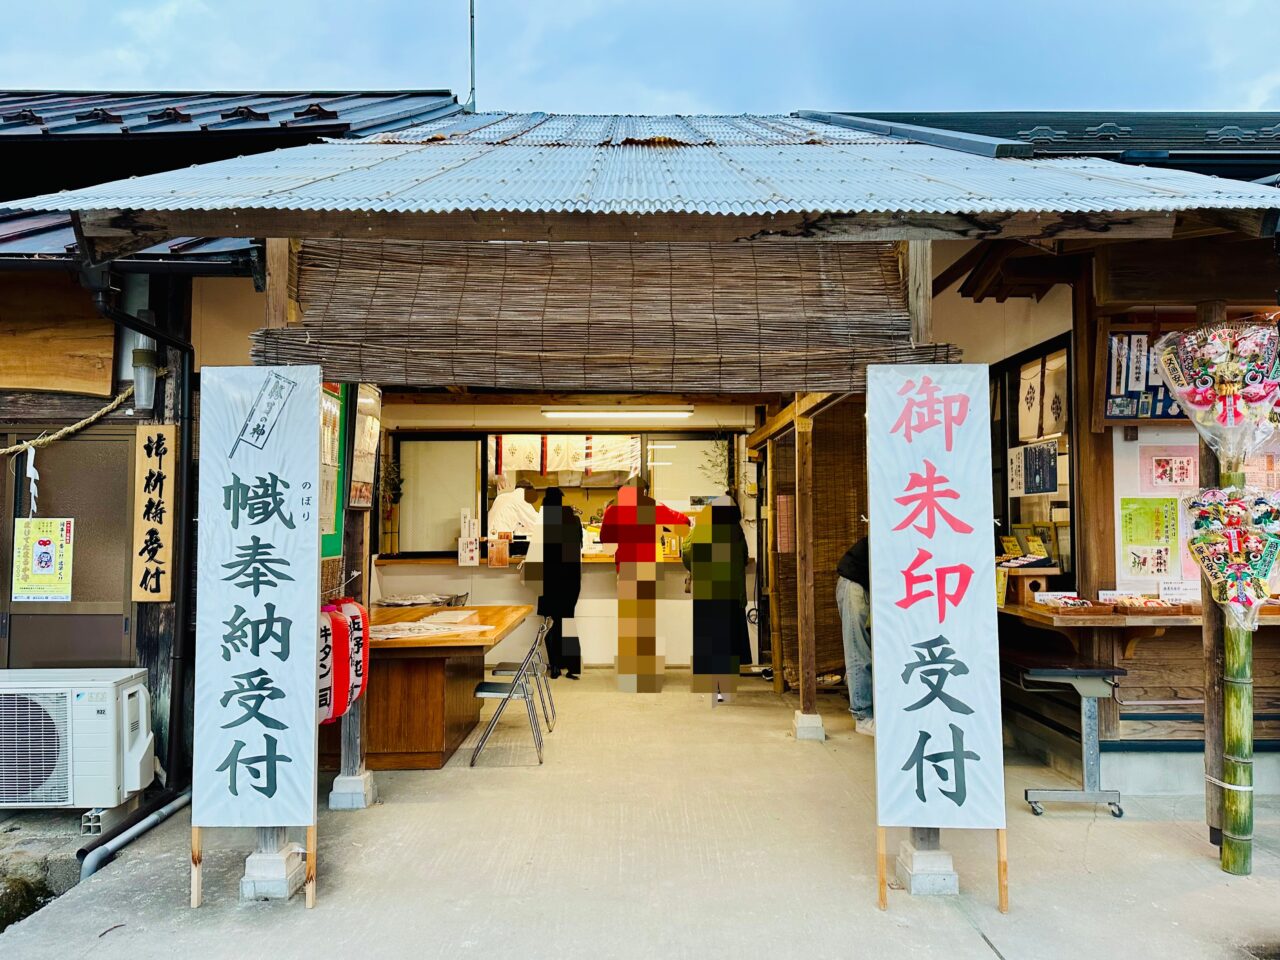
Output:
x=97 y=280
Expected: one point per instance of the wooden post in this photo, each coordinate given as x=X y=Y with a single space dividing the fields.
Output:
x=1212 y=637
x=775 y=612
x=311 y=866
x=806 y=643
x=197 y=868
x=1002 y=868
x=882 y=869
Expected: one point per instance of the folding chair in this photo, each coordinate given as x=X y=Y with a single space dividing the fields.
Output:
x=516 y=689
x=538 y=668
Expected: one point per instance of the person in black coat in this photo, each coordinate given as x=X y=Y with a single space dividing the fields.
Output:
x=561 y=580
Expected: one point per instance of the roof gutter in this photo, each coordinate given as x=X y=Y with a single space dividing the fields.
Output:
x=974 y=143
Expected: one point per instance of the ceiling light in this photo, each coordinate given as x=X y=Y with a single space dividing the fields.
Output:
x=616 y=413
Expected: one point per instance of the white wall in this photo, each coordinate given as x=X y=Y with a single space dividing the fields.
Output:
x=990 y=331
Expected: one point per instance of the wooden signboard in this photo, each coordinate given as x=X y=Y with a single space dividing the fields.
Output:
x=154 y=456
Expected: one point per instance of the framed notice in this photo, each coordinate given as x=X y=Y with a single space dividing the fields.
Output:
x=364 y=452
x=43 y=555
x=153 y=491
x=258 y=589
x=939 y=751
x=1129 y=383
x=1149 y=538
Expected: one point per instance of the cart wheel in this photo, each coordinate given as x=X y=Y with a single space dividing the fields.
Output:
x=1036 y=808
x=1116 y=810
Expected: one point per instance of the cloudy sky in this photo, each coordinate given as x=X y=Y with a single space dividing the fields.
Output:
x=652 y=56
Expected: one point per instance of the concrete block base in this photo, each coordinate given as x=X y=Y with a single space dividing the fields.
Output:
x=274 y=876
x=808 y=726
x=926 y=873
x=353 y=792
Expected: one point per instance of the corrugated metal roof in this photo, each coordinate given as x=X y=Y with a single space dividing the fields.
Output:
x=27 y=234
x=630 y=165
x=96 y=114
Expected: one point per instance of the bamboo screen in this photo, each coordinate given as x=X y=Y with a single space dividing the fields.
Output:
x=653 y=317
x=839 y=503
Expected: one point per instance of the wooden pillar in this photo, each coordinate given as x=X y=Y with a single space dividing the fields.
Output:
x=1093 y=481
x=775 y=610
x=806 y=642
x=1211 y=636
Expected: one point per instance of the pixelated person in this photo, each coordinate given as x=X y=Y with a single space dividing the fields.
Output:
x=715 y=555
x=558 y=544
x=632 y=523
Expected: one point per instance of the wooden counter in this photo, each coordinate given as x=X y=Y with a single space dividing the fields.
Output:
x=1159 y=699
x=420 y=704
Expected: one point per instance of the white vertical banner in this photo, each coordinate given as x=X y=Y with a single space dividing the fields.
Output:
x=939 y=750
x=258 y=597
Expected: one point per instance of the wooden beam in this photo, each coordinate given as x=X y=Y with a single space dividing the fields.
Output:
x=124 y=228
x=979 y=283
x=919 y=276
x=1212 y=638
x=806 y=641
x=959 y=269
x=782 y=422
x=1182 y=272
x=451 y=398
x=277 y=281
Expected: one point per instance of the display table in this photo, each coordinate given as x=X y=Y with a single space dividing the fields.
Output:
x=420 y=704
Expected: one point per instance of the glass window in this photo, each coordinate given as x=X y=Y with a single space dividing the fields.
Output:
x=439 y=481
x=685 y=473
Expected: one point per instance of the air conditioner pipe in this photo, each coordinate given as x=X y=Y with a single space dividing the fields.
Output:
x=105 y=850
x=98 y=281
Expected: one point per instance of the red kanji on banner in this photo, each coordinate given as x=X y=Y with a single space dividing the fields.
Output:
x=928 y=501
x=928 y=409
x=960 y=573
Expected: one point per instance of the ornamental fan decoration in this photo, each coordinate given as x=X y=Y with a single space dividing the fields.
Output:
x=1226 y=377
x=1235 y=540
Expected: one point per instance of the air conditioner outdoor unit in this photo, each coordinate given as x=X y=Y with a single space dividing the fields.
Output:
x=74 y=738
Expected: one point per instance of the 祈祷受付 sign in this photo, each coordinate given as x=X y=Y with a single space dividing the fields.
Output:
x=258 y=602
x=939 y=752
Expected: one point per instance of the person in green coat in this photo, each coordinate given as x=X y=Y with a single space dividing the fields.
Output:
x=715 y=555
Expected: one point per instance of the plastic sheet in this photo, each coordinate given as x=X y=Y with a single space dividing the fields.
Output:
x=1235 y=540
x=1226 y=377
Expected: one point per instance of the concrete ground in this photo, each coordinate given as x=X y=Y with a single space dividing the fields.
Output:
x=659 y=827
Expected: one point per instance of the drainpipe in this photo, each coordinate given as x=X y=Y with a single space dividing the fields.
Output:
x=93 y=857
x=98 y=281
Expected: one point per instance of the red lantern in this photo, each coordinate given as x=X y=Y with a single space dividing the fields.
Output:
x=359 y=618
x=334 y=667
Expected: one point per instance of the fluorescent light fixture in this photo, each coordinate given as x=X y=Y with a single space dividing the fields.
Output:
x=660 y=463
x=617 y=413
x=662 y=446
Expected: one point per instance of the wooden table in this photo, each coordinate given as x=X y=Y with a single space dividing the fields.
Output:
x=420 y=704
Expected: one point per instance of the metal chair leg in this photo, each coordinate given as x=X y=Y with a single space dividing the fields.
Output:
x=493 y=722
x=533 y=725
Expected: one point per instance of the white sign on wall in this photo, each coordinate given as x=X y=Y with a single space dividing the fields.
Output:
x=939 y=751
x=258 y=597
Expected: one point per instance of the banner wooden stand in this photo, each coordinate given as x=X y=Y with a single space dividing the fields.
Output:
x=197 y=867
x=882 y=868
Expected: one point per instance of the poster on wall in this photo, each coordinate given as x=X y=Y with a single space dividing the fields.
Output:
x=43 y=559
x=330 y=455
x=364 y=453
x=153 y=453
x=939 y=751
x=1148 y=537
x=258 y=597
x=1040 y=467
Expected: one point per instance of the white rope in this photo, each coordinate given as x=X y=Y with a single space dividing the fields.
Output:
x=1239 y=788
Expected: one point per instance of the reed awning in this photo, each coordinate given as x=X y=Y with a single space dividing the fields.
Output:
x=651 y=317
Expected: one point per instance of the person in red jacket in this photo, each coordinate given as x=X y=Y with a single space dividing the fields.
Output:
x=632 y=523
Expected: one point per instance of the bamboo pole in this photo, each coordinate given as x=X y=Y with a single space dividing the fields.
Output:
x=1237 y=739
